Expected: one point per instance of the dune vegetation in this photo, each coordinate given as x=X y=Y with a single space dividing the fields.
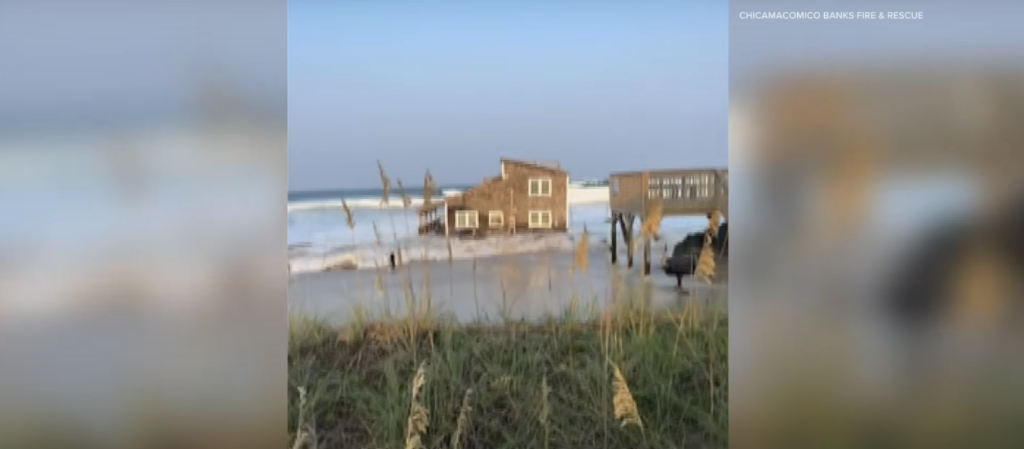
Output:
x=620 y=376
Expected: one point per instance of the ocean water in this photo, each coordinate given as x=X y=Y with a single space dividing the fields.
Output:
x=319 y=236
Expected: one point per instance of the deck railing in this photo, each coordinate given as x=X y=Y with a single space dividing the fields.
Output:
x=680 y=192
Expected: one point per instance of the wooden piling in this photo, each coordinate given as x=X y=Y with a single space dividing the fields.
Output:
x=627 y=233
x=647 y=257
x=614 y=239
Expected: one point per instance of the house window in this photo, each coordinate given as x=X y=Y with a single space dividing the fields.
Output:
x=495 y=219
x=540 y=219
x=540 y=186
x=467 y=219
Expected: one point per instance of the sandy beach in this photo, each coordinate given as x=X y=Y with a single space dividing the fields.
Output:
x=519 y=286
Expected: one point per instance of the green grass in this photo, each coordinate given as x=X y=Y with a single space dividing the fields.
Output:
x=359 y=381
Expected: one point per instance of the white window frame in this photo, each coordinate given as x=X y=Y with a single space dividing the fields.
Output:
x=540 y=182
x=463 y=219
x=491 y=222
x=537 y=224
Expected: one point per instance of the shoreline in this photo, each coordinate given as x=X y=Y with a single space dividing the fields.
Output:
x=303 y=260
x=525 y=286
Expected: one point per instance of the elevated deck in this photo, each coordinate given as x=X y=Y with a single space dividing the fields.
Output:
x=679 y=193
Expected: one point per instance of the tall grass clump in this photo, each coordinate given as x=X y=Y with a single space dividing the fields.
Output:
x=542 y=385
x=411 y=301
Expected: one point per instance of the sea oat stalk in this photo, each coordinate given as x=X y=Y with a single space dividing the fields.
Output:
x=706 y=261
x=416 y=424
x=348 y=215
x=622 y=401
x=406 y=200
x=582 y=262
x=652 y=221
x=462 y=424
x=385 y=183
x=544 y=414
x=305 y=434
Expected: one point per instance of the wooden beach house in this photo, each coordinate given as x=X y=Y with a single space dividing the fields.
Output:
x=526 y=197
x=677 y=193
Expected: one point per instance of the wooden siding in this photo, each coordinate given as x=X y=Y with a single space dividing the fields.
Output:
x=517 y=180
x=510 y=195
x=681 y=192
x=625 y=191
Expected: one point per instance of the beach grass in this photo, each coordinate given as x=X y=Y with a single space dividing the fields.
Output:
x=627 y=380
x=621 y=376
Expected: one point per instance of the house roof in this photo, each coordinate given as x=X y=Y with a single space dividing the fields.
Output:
x=668 y=171
x=546 y=165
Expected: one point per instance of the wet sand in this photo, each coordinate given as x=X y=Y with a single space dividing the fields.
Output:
x=521 y=286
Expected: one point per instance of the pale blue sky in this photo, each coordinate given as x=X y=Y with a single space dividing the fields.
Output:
x=597 y=86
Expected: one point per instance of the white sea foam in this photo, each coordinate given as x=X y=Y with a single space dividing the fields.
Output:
x=394 y=202
x=320 y=237
x=588 y=195
x=431 y=248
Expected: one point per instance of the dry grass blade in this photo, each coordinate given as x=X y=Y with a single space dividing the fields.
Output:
x=416 y=425
x=714 y=222
x=706 y=264
x=622 y=401
x=305 y=435
x=406 y=201
x=706 y=261
x=348 y=215
x=652 y=221
x=545 y=406
x=582 y=261
x=378 y=281
x=385 y=184
x=545 y=409
x=300 y=439
x=429 y=187
x=376 y=235
x=463 y=422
